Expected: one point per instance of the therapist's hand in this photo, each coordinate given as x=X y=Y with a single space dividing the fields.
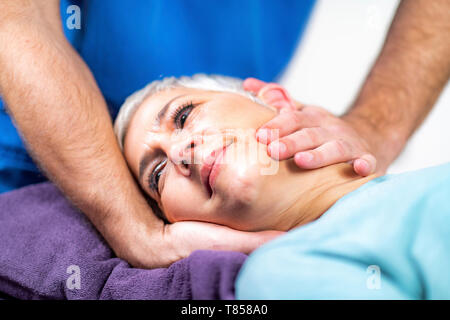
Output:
x=181 y=238
x=312 y=135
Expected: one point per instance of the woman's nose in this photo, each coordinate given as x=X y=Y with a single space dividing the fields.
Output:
x=181 y=154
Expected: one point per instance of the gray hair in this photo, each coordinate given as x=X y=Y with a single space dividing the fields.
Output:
x=197 y=81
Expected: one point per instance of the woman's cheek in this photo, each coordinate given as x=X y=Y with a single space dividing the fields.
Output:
x=180 y=201
x=239 y=187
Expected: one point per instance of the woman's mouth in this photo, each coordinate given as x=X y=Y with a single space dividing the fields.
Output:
x=211 y=168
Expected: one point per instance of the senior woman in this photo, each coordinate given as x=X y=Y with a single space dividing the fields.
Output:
x=190 y=144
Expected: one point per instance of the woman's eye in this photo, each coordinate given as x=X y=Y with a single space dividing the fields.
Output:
x=182 y=114
x=155 y=176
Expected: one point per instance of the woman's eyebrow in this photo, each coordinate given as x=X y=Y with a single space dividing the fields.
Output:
x=163 y=111
x=145 y=160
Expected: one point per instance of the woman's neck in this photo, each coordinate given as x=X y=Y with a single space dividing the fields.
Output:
x=315 y=191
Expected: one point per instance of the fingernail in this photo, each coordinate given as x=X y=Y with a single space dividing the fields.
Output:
x=263 y=135
x=362 y=166
x=276 y=148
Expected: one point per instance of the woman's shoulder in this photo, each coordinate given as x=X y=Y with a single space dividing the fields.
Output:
x=432 y=174
x=388 y=223
x=409 y=185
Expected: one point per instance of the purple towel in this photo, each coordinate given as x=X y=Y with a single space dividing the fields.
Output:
x=49 y=250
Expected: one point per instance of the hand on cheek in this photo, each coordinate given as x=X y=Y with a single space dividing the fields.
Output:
x=312 y=135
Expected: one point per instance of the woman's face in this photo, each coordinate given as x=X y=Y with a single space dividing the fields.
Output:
x=195 y=153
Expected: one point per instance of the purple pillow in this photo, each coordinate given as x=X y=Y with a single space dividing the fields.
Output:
x=50 y=250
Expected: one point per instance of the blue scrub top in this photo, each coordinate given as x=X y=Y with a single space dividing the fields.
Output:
x=127 y=44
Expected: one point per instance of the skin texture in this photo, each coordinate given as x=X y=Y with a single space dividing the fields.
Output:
x=76 y=148
x=242 y=197
x=400 y=90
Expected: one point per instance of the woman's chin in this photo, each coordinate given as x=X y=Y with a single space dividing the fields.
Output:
x=240 y=186
x=237 y=188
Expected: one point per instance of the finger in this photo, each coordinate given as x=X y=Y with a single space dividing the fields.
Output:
x=283 y=124
x=365 y=165
x=305 y=139
x=331 y=152
x=226 y=238
x=253 y=85
x=192 y=235
x=249 y=241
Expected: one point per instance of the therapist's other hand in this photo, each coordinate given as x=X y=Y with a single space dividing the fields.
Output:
x=312 y=135
x=181 y=238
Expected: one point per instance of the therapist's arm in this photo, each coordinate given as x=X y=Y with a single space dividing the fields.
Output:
x=400 y=90
x=407 y=78
x=62 y=116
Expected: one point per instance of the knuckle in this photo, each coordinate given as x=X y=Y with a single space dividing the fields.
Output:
x=317 y=111
x=270 y=125
x=337 y=128
x=311 y=135
x=318 y=114
x=274 y=123
x=318 y=156
x=294 y=117
x=289 y=143
x=342 y=147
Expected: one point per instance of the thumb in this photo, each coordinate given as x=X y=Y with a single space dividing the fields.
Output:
x=365 y=165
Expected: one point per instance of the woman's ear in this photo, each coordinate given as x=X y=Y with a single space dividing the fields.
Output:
x=275 y=95
x=271 y=94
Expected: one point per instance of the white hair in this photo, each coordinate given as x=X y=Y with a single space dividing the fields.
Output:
x=197 y=81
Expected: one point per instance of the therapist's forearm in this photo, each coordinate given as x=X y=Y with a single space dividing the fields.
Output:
x=406 y=79
x=58 y=108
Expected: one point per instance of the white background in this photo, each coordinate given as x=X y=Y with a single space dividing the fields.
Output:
x=340 y=44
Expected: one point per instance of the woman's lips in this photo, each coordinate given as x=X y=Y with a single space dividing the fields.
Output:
x=216 y=168
x=211 y=168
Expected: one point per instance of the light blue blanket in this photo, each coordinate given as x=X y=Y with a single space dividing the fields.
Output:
x=389 y=239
